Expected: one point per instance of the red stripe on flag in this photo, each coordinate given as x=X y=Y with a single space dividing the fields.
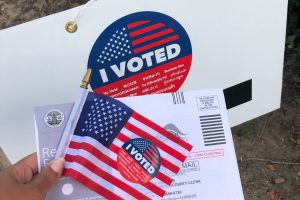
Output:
x=110 y=178
x=157 y=190
x=155 y=44
x=114 y=148
x=164 y=132
x=122 y=137
x=154 y=188
x=167 y=164
x=74 y=145
x=91 y=184
x=93 y=150
x=152 y=36
x=164 y=162
x=70 y=158
x=156 y=141
x=139 y=23
x=146 y=29
x=162 y=176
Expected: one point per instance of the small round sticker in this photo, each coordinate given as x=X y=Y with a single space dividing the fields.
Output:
x=138 y=160
x=54 y=118
x=67 y=189
x=141 y=53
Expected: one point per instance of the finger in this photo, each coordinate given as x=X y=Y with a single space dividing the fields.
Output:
x=29 y=162
x=48 y=176
x=24 y=170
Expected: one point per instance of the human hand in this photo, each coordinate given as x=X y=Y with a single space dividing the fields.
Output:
x=22 y=182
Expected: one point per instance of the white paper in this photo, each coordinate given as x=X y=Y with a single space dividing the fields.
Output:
x=210 y=172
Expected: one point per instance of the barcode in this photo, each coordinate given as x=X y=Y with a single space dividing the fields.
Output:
x=212 y=129
x=178 y=98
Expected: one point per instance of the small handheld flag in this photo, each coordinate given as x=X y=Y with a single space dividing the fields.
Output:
x=121 y=154
x=74 y=114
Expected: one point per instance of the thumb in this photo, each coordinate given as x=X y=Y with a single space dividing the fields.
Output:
x=48 y=176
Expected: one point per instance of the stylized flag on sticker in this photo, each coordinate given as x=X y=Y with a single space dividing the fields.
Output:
x=136 y=37
x=139 y=49
x=120 y=154
x=150 y=35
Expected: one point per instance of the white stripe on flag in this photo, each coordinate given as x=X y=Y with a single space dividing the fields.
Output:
x=118 y=142
x=96 y=144
x=97 y=179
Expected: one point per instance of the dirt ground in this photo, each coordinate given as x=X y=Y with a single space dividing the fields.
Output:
x=268 y=148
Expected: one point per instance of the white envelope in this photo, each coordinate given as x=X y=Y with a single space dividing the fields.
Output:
x=211 y=170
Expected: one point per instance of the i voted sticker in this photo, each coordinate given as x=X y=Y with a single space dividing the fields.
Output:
x=138 y=161
x=141 y=53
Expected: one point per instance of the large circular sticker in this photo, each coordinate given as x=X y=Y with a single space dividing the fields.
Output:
x=138 y=160
x=141 y=53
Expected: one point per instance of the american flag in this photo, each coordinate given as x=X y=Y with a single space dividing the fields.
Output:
x=136 y=37
x=104 y=126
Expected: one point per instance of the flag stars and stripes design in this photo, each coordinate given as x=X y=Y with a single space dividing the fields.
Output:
x=117 y=46
x=103 y=123
x=91 y=157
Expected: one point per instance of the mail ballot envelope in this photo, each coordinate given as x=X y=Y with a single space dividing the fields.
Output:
x=199 y=117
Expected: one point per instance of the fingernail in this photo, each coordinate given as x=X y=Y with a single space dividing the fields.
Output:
x=58 y=165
